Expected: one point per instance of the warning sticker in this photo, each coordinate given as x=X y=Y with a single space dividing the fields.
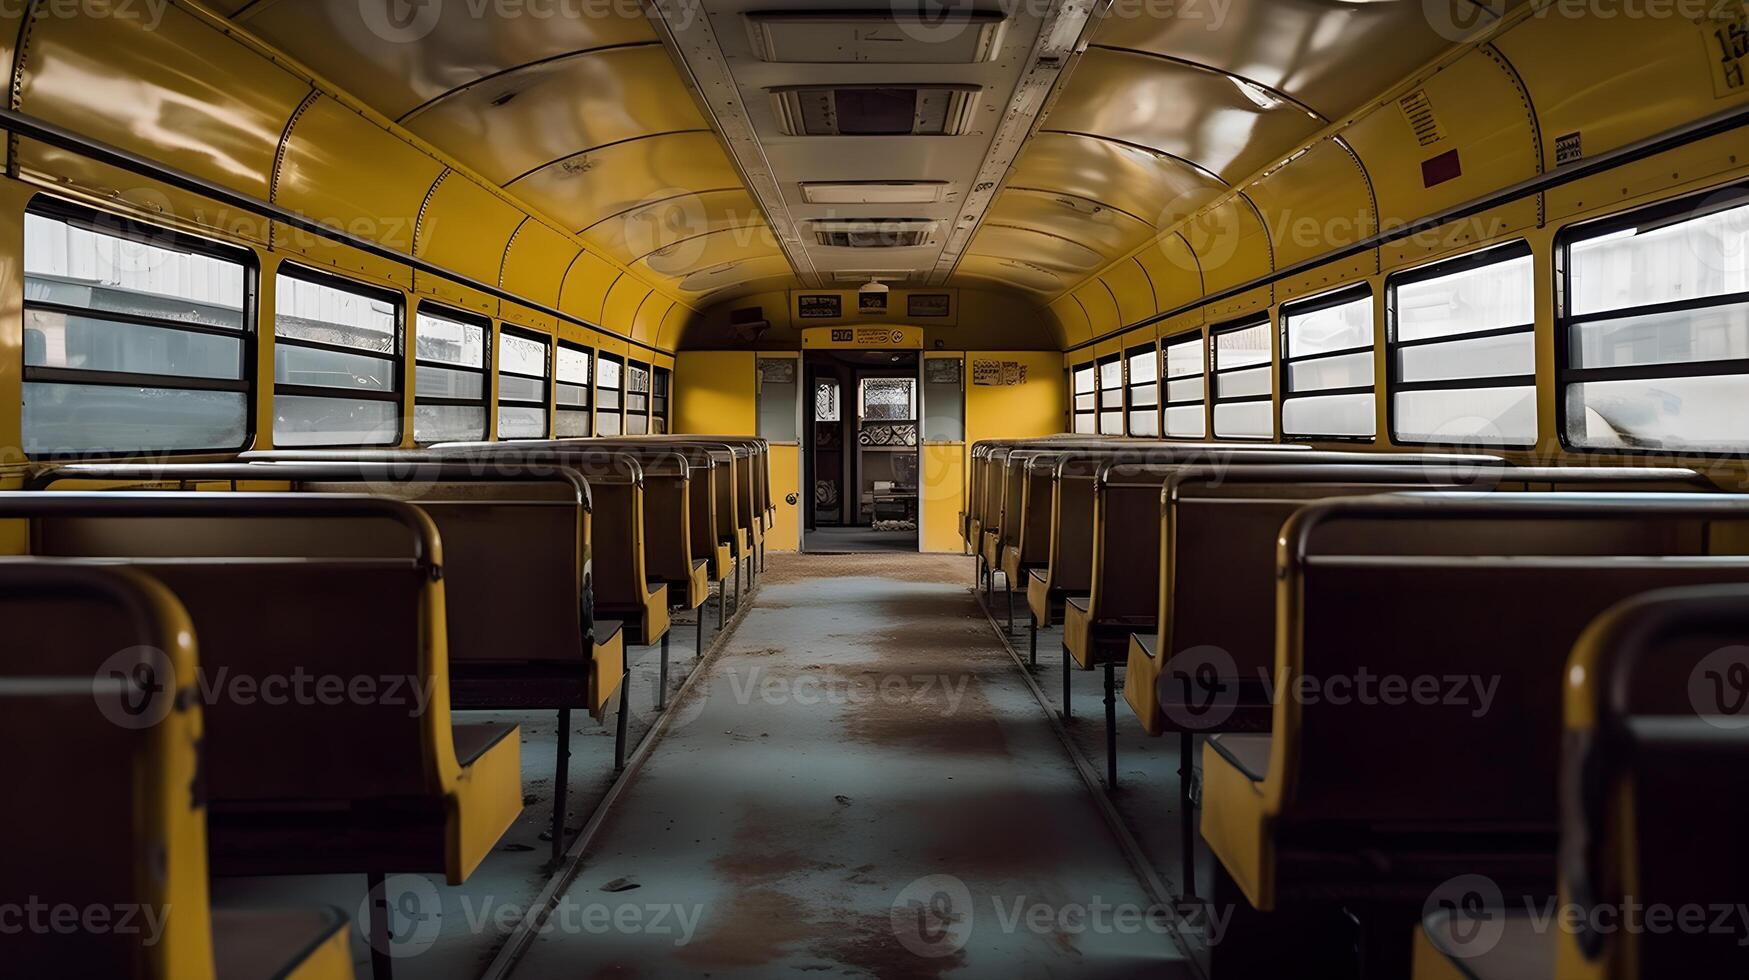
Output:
x=1568 y=149
x=1418 y=110
x=1726 y=34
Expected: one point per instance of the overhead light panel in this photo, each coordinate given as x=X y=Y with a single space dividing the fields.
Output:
x=875 y=110
x=876 y=37
x=872 y=232
x=873 y=191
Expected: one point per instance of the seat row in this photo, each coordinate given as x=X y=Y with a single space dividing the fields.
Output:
x=345 y=604
x=1254 y=591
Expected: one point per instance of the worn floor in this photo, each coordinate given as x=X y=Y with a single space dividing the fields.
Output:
x=860 y=785
x=852 y=540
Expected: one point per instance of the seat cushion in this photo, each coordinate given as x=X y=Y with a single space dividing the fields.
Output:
x=257 y=944
x=1247 y=753
x=472 y=741
x=1484 y=944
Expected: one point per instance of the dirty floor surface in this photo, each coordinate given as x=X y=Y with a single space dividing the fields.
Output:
x=861 y=785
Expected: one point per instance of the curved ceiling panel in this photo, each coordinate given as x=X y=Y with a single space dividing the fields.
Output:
x=1304 y=48
x=524 y=120
x=1196 y=114
x=709 y=250
x=585 y=188
x=1066 y=258
x=397 y=63
x=1079 y=223
x=1011 y=272
x=735 y=276
x=634 y=234
x=1147 y=184
x=1319 y=201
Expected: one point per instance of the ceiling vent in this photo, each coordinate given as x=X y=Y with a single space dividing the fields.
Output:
x=875 y=110
x=872 y=232
x=873 y=191
x=876 y=37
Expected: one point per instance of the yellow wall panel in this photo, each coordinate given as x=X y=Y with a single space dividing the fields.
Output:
x=714 y=393
x=943 y=496
x=1472 y=109
x=586 y=286
x=1102 y=316
x=647 y=326
x=786 y=482
x=1072 y=325
x=535 y=264
x=466 y=229
x=1318 y=202
x=1172 y=271
x=1134 y=292
x=623 y=300
x=1231 y=245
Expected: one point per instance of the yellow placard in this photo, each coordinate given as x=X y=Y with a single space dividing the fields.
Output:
x=883 y=337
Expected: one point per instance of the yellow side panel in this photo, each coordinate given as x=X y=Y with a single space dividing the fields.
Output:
x=1072 y=325
x=1133 y=290
x=448 y=292
x=1172 y=271
x=586 y=286
x=175 y=90
x=1101 y=308
x=466 y=229
x=13 y=196
x=1318 y=202
x=944 y=486
x=1231 y=244
x=1471 y=109
x=713 y=392
x=623 y=301
x=647 y=327
x=536 y=263
x=674 y=325
x=786 y=479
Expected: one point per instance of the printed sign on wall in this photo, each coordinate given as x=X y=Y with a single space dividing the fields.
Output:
x=998 y=373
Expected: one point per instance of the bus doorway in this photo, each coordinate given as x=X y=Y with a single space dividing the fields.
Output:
x=861 y=430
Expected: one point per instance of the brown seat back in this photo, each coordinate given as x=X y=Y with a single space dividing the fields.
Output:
x=281 y=683
x=104 y=810
x=1494 y=588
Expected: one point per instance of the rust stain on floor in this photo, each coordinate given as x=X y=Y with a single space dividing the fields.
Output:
x=861 y=785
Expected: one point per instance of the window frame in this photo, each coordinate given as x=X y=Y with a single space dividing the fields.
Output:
x=119 y=226
x=498 y=372
x=662 y=388
x=1195 y=338
x=1567 y=374
x=1129 y=355
x=1213 y=382
x=1075 y=412
x=587 y=409
x=1440 y=269
x=595 y=395
x=1122 y=390
x=627 y=394
x=488 y=377
x=1341 y=296
x=397 y=358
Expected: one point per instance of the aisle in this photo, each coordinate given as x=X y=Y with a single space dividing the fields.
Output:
x=861 y=785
